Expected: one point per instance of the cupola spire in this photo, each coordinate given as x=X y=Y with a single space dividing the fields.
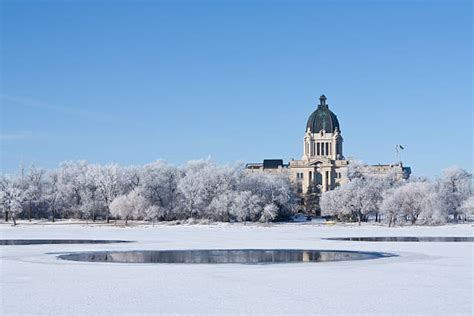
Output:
x=322 y=100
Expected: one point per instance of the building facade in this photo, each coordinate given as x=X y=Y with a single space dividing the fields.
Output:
x=323 y=166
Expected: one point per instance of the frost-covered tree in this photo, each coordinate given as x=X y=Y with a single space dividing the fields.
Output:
x=153 y=213
x=409 y=201
x=199 y=189
x=54 y=195
x=330 y=203
x=270 y=189
x=159 y=184
x=374 y=188
x=269 y=213
x=109 y=180
x=214 y=192
x=357 y=200
x=71 y=184
x=360 y=198
x=433 y=213
x=467 y=207
x=391 y=206
x=202 y=181
x=11 y=197
x=350 y=201
x=34 y=189
x=246 y=206
x=129 y=206
x=132 y=177
x=454 y=187
x=92 y=203
x=356 y=169
x=220 y=208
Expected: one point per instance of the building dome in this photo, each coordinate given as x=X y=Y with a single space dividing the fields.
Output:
x=322 y=119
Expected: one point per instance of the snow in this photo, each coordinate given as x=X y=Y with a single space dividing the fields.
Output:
x=425 y=278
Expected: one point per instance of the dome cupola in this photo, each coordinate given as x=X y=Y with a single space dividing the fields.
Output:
x=323 y=118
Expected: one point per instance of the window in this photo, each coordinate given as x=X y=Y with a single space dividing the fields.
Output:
x=310 y=175
x=319 y=148
x=327 y=149
x=299 y=188
x=328 y=181
x=317 y=178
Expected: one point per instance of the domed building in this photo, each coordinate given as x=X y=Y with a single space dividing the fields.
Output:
x=323 y=166
x=323 y=162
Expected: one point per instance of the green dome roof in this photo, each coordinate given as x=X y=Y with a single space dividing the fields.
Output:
x=322 y=119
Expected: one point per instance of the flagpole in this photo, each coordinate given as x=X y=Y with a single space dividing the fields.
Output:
x=398 y=154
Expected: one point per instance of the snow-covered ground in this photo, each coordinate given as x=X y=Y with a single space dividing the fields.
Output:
x=425 y=278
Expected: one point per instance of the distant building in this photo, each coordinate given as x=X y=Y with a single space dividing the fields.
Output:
x=323 y=165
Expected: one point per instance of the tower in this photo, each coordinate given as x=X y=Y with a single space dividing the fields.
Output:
x=322 y=166
x=323 y=137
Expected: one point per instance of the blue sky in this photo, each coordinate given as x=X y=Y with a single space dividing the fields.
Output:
x=135 y=81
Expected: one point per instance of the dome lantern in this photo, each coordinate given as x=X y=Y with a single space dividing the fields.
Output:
x=323 y=119
x=322 y=100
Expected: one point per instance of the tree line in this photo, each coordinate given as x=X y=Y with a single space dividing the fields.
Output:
x=203 y=190
x=157 y=192
x=370 y=196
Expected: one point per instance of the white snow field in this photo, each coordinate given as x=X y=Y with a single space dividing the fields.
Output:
x=428 y=278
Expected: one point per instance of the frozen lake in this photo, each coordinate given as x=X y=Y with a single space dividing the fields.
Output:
x=222 y=256
x=424 y=278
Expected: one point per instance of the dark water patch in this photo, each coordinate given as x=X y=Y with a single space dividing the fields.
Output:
x=220 y=256
x=16 y=242
x=407 y=239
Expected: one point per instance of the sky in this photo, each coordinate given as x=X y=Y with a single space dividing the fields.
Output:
x=136 y=81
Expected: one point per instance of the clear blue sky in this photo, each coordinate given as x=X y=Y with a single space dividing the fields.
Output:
x=135 y=81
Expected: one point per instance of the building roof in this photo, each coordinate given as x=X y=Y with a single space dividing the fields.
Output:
x=322 y=118
x=254 y=165
x=272 y=163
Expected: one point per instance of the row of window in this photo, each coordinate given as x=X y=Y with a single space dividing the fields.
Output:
x=321 y=148
x=300 y=175
x=299 y=187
